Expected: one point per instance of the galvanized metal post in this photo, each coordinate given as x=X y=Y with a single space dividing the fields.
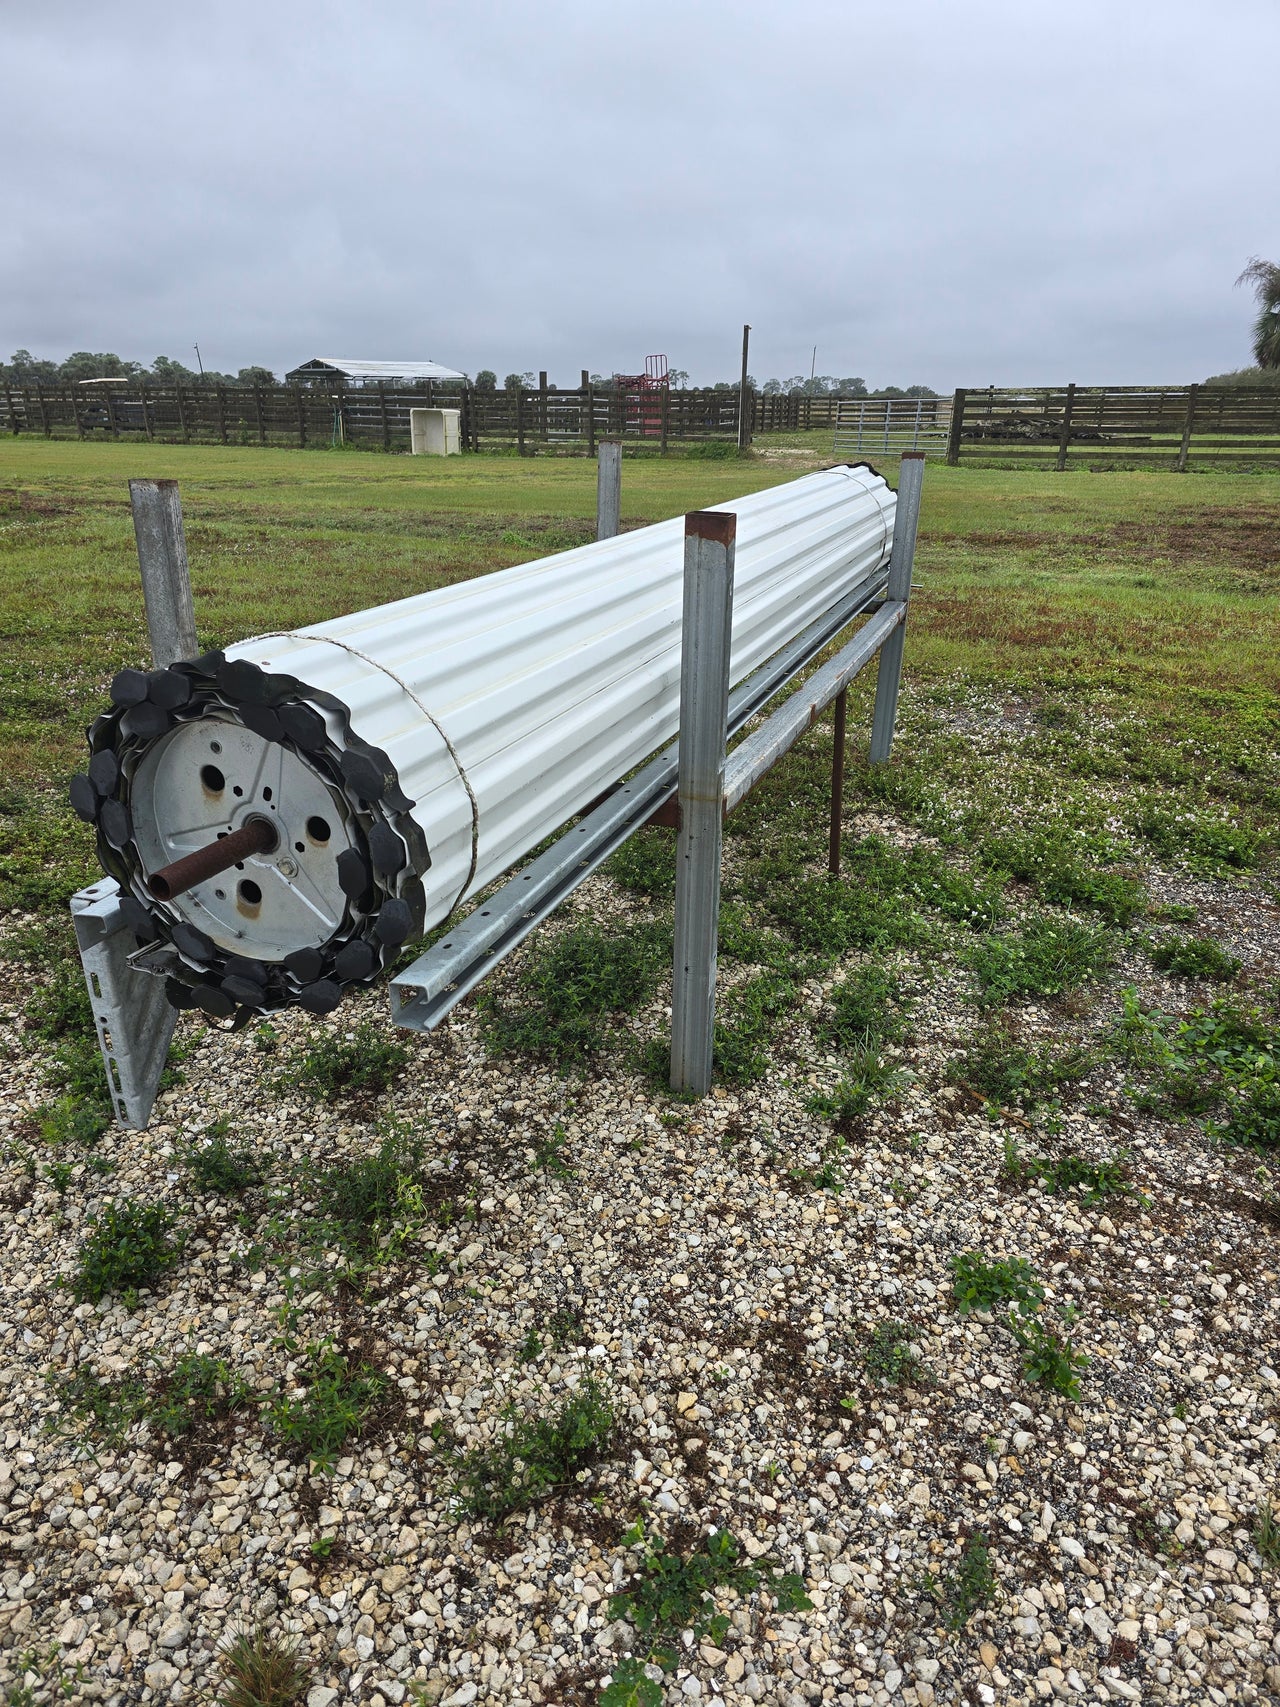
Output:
x=609 y=489
x=166 y=582
x=837 y=781
x=889 y=669
x=704 y=709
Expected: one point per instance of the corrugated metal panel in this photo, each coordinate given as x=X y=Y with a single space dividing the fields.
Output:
x=553 y=679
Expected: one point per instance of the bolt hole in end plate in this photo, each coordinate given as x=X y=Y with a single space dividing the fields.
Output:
x=194 y=785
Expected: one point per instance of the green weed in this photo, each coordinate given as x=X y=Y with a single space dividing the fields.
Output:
x=972 y=1585
x=671 y=1592
x=548 y=1153
x=750 y=1015
x=105 y=1410
x=891 y=1360
x=259 y=1670
x=55 y=1679
x=534 y=1457
x=1053 y=866
x=1047 y=957
x=570 y=987
x=217 y=1167
x=337 y=1402
x=828 y=1175
x=1005 y=1071
x=372 y=1205
x=1194 y=957
x=630 y=1686
x=127 y=1247
x=1266 y=1533
x=1048 y=1359
x=365 y=1062
x=72 y=1120
x=1090 y=1181
x=981 y=1282
x=197 y=1391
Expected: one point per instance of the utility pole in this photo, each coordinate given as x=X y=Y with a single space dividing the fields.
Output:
x=813 y=365
x=199 y=363
x=744 y=431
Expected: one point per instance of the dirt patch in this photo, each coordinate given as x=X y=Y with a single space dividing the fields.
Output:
x=1243 y=539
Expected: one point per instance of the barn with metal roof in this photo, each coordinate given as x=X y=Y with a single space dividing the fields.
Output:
x=348 y=370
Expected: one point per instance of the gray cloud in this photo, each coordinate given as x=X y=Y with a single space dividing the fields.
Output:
x=998 y=191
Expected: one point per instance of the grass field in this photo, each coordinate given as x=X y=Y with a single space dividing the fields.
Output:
x=1151 y=594
x=997 y=1114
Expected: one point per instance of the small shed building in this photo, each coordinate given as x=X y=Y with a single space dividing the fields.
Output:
x=348 y=371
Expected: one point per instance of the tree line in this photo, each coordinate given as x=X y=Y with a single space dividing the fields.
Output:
x=25 y=369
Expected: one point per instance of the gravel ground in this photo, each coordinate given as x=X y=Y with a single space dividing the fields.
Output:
x=727 y=1306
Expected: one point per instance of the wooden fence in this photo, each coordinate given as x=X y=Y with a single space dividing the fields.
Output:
x=1052 y=426
x=1129 y=426
x=528 y=419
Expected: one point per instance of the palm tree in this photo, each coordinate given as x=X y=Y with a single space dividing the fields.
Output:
x=1264 y=276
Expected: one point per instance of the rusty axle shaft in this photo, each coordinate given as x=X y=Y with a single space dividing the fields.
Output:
x=258 y=836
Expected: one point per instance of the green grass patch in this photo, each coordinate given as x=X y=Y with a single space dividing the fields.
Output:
x=1054 y=868
x=646 y=864
x=868 y=1009
x=1047 y=957
x=560 y=1004
x=1194 y=957
x=365 y=1062
x=1222 y=1060
x=1004 y=1070
x=870 y=1079
x=261 y=1670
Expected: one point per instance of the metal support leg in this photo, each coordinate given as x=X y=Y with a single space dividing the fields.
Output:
x=609 y=489
x=133 y=1020
x=837 y=782
x=889 y=669
x=704 y=703
x=166 y=581
x=131 y=1016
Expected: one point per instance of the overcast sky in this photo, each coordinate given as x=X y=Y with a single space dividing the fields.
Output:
x=997 y=191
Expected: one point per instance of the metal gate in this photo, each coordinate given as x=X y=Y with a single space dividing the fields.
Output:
x=892 y=425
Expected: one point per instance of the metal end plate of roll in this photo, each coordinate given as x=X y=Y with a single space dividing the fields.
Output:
x=391 y=763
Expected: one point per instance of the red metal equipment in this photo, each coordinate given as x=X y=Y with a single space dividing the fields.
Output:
x=644 y=395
